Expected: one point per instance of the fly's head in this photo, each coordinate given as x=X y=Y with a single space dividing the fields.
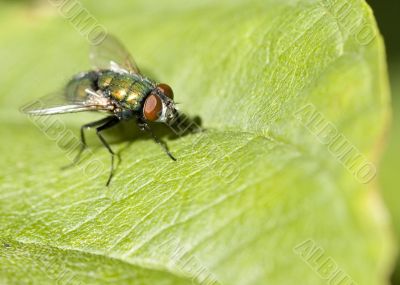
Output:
x=159 y=105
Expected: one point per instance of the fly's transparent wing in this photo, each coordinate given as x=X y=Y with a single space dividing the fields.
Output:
x=111 y=54
x=59 y=103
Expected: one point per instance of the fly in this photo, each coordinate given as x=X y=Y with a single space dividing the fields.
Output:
x=117 y=87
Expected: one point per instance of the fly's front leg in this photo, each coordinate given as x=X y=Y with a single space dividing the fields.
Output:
x=143 y=126
x=111 y=121
x=83 y=144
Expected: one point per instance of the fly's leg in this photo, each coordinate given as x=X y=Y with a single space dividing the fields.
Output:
x=109 y=123
x=145 y=127
x=83 y=140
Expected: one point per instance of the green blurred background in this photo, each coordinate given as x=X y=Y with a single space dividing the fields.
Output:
x=388 y=17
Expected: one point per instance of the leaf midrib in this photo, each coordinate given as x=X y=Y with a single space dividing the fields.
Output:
x=142 y=265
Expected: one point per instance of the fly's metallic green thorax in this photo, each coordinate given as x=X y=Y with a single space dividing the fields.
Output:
x=127 y=90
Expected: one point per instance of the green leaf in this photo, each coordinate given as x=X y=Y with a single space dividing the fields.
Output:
x=255 y=199
x=390 y=161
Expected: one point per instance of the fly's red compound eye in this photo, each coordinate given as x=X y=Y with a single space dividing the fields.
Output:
x=166 y=90
x=152 y=108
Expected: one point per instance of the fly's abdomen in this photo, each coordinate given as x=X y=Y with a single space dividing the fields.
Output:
x=76 y=87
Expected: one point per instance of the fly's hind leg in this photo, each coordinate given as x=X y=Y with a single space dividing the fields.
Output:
x=83 y=144
x=111 y=121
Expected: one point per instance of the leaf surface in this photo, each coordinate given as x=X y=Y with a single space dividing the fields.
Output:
x=244 y=194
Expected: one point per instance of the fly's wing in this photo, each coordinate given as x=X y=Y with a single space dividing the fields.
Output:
x=59 y=103
x=111 y=54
